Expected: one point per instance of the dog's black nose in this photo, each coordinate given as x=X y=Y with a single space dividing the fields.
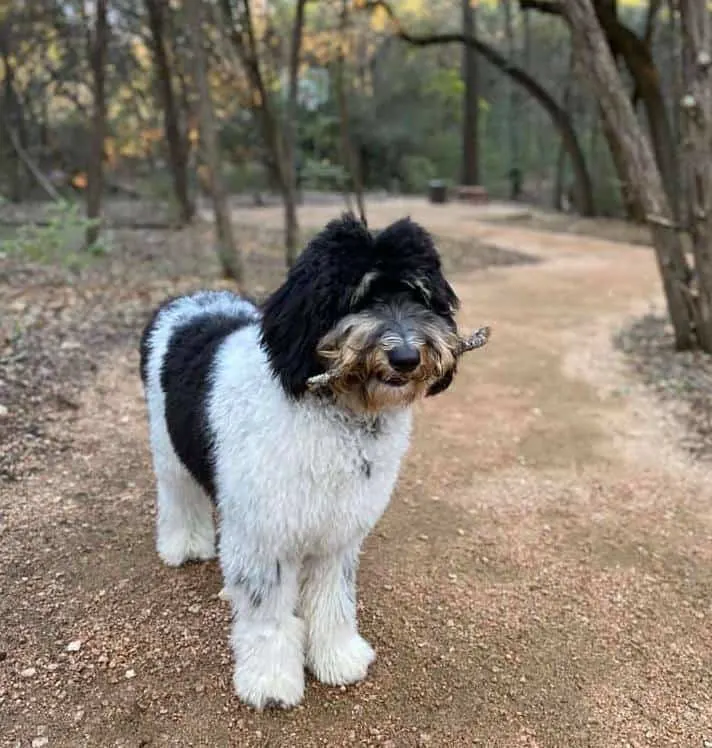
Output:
x=404 y=358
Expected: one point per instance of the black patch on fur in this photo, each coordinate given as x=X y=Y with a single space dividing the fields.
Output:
x=366 y=467
x=186 y=380
x=144 y=349
x=256 y=586
x=320 y=286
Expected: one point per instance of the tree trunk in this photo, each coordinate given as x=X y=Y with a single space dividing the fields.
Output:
x=228 y=251
x=557 y=198
x=470 y=100
x=13 y=118
x=349 y=156
x=95 y=171
x=513 y=123
x=241 y=33
x=697 y=121
x=561 y=121
x=675 y=92
x=177 y=147
x=638 y=57
x=629 y=197
x=289 y=160
x=598 y=66
x=526 y=117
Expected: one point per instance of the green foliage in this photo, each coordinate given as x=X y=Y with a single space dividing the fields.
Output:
x=248 y=176
x=61 y=241
x=323 y=175
x=417 y=171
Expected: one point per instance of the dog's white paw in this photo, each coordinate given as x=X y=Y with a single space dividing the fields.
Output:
x=177 y=548
x=341 y=661
x=283 y=688
x=269 y=664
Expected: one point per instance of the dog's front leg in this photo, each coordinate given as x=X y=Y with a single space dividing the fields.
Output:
x=267 y=637
x=336 y=653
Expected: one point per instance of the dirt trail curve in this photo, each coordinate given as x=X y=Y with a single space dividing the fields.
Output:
x=542 y=578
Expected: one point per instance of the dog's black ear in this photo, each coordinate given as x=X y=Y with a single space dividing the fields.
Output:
x=407 y=251
x=314 y=297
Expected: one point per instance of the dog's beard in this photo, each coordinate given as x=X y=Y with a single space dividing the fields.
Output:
x=356 y=351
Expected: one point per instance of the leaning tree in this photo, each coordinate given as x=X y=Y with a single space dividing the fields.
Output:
x=688 y=293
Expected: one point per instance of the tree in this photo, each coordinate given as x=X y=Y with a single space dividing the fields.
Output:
x=228 y=251
x=289 y=160
x=13 y=121
x=175 y=140
x=697 y=108
x=513 y=115
x=350 y=158
x=637 y=55
x=98 y=43
x=597 y=65
x=583 y=188
x=279 y=134
x=470 y=100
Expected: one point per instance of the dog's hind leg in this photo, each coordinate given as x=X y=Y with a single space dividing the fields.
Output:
x=336 y=653
x=185 y=529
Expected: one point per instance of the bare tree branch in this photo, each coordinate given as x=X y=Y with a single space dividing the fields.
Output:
x=30 y=165
x=559 y=117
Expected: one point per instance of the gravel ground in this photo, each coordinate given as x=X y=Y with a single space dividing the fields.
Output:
x=542 y=577
x=682 y=380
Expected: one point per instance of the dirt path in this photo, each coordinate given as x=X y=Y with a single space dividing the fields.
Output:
x=542 y=578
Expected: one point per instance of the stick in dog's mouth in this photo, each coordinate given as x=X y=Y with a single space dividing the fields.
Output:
x=478 y=339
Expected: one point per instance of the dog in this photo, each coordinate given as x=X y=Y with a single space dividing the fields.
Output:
x=293 y=418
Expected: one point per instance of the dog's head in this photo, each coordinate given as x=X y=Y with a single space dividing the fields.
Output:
x=372 y=310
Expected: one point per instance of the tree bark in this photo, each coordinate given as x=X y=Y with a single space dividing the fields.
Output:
x=95 y=171
x=515 y=175
x=177 y=146
x=583 y=186
x=349 y=156
x=14 y=116
x=596 y=63
x=227 y=249
x=697 y=121
x=470 y=100
x=557 y=198
x=629 y=197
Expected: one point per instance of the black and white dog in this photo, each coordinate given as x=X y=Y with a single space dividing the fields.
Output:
x=293 y=418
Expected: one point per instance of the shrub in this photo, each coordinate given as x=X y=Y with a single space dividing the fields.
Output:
x=62 y=240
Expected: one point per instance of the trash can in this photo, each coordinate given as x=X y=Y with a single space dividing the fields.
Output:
x=437 y=191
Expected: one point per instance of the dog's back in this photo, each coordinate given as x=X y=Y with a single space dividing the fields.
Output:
x=178 y=349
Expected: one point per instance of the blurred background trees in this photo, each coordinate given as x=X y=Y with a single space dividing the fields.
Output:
x=184 y=100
